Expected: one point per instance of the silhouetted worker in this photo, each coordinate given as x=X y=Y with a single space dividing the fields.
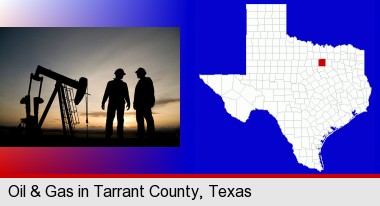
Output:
x=117 y=91
x=143 y=102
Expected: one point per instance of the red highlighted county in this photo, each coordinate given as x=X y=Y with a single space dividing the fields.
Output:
x=322 y=62
x=281 y=77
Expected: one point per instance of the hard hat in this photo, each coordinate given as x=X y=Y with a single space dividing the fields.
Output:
x=141 y=70
x=120 y=71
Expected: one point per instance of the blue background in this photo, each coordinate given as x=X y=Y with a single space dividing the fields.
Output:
x=226 y=145
x=212 y=41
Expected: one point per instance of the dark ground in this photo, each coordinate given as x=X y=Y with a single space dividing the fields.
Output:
x=9 y=137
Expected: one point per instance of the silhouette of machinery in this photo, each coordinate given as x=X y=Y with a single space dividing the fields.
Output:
x=67 y=102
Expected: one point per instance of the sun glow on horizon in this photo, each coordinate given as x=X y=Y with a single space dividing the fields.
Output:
x=94 y=53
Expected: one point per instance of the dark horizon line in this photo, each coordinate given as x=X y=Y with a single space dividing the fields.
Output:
x=97 y=128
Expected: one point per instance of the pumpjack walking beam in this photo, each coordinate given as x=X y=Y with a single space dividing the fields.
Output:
x=65 y=109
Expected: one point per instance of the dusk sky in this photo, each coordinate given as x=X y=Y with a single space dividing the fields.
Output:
x=94 y=53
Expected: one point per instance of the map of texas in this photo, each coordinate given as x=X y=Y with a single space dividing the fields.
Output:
x=311 y=90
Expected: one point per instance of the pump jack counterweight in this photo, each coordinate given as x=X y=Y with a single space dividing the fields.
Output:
x=67 y=104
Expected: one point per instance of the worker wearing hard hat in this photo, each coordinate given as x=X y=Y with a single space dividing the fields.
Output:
x=143 y=102
x=117 y=92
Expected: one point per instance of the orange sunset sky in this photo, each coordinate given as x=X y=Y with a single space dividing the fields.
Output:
x=94 y=53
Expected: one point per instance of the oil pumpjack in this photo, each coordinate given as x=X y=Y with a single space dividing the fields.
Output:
x=67 y=102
